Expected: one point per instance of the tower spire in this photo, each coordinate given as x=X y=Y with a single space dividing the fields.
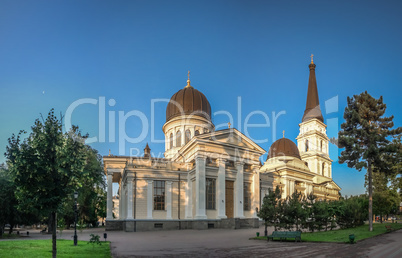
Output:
x=312 y=104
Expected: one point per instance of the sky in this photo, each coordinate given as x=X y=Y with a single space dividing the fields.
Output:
x=111 y=66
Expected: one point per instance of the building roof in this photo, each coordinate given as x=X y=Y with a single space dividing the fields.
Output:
x=188 y=101
x=283 y=147
x=312 y=104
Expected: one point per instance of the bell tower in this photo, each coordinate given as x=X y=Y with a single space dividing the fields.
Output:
x=312 y=141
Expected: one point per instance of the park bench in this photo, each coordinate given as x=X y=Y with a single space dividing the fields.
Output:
x=283 y=235
x=389 y=229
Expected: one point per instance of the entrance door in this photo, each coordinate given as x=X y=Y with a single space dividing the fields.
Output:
x=229 y=198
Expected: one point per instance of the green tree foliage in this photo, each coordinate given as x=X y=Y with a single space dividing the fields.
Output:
x=47 y=167
x=91 y=194
x=297 y=212
x=270 y=208
x=365 y=135
x=352 y=212
x=9 y=214
x=294 y=212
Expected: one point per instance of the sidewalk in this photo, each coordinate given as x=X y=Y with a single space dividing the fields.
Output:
x=231 y=243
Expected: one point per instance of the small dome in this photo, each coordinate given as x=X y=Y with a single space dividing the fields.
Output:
x=283 y=147
x=188 y=101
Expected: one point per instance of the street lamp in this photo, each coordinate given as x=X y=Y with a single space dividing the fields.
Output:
x=75 y=222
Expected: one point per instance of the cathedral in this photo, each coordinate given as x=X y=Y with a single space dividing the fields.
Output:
x=213 y=178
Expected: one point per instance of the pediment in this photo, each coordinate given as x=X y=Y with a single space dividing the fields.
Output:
x=231 y=137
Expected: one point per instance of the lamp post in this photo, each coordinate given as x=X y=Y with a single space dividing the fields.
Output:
x=75 y=222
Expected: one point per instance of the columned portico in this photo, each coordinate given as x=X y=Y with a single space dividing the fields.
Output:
x=239 y=184
x=200 y=212
x=221 y=189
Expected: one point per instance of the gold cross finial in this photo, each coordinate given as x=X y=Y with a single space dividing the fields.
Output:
x=229 y=124
x=188 y=80
x=312 y=58
x=283 y=132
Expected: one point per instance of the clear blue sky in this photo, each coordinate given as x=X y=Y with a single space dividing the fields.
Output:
x=54 y=53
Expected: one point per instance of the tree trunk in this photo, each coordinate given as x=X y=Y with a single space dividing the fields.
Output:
x=50 y=224
x=11 y=229
x=370 y=190
x=54 y=225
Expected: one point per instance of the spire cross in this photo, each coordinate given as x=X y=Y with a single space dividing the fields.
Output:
x=229 y=124
x=188 y=80
x=283 y=132
x=312 y=58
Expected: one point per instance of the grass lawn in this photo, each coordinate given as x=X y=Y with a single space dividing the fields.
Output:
x=43 y=248
x=342 y=235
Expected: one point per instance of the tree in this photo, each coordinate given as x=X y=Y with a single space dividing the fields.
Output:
x=9 y=214
x=294 y=211
x=365 y=136
x=91 y=194
x=47 y=167
x=270 y=207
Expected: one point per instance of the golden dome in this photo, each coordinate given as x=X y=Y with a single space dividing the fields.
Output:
x=188 y=101
x=283 y=147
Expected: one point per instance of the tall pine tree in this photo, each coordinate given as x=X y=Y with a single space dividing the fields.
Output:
x=366 y=135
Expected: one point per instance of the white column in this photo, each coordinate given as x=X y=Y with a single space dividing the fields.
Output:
x=200 y=212
x=169 y=200
x=109 y=213
x=239 y=191
x=149 y=199
x=256 y=190
x=292 y=186
x=120 y=199
x=123 y=201
x=130 y=198
x=221 y=190
x=189 y=198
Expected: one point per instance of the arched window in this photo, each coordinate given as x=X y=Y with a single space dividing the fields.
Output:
x=307 y=148
x=323 y=167
x=321 y=145
x=178 y=139
x=171 y=140
x=197 y=132
x=187 y=136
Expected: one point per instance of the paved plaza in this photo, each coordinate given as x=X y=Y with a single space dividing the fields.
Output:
x=231 y=243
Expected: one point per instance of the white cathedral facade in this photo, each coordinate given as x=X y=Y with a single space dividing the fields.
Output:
x=214 y=179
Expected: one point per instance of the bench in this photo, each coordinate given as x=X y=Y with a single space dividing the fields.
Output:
x=389 y=229
x=283 y=235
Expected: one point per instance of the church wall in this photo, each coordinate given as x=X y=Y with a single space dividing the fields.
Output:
x=212 y=214
x=175 y=200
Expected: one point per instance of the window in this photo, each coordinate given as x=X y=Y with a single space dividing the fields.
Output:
x=171 y=140
x=323 y=167
x=321 y=145
x=247 y=196
x=197 y=132
x=178 y=139
x=210 y=194
x=307 y=148
x=187 y=136
x=159 y=195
